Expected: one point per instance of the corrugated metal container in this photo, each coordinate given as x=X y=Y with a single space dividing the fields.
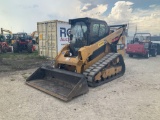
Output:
x=53 y=35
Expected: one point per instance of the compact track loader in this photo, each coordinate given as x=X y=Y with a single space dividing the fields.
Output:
x=93 y=57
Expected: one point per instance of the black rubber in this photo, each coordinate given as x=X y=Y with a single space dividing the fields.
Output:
x=29 y=47
x=130 y=55
x=15 y=47
x=4 y=49
x=91 y=72
x=154 y=54
x=0 y=49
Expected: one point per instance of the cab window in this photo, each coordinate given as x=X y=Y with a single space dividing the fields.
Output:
x=95 y=29
x=102 y=30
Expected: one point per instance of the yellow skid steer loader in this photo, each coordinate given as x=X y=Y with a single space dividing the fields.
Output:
x=93 y=57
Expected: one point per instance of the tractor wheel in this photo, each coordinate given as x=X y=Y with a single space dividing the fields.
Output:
x=15 y=47
x=4 y=49
x=0 y=49
x=130 y=55
x=147 y=55
x=30 y=47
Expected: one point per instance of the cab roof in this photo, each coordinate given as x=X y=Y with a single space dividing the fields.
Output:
x=86 y=19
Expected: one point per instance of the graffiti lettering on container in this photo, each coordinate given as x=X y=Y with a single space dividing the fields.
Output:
x=64 y=39
x=63 y=44
x=64 y=32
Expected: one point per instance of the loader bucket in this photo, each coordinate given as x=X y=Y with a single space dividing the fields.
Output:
x=62 y=84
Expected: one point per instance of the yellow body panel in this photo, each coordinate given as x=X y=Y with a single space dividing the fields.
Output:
x=81 y=61
x=13 y=41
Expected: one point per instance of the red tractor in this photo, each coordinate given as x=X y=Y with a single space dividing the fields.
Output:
x=23 y=42
x=142 y=46
x=3 y=45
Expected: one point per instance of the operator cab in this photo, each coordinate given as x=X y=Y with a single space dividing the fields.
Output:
x=86 y=31
x=142 y=37
x=2 y=38
x=23 y=36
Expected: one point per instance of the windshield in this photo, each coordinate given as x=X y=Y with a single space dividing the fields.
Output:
x=141 y=37
x=2 y=38
x=21 y=35
x=79 y=32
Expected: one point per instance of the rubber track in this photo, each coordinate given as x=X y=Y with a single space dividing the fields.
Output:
x=99 y=66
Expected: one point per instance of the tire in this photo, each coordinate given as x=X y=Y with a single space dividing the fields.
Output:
x=158 y=49
x=37 y=40
x=147 y=55
x=30 y=47
x=15 y=47
x=33 y=41
x=0 y=49
x=130 y=55
x=4 y=49
x=154 y=53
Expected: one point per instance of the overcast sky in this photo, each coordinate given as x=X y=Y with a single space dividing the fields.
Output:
x=22 y=15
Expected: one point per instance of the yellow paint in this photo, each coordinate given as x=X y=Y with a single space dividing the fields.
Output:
x=13 y=41
x=81 y=62
x=40 y=36
x=100 y=43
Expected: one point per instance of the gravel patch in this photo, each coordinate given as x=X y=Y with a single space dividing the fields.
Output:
x=134 y=96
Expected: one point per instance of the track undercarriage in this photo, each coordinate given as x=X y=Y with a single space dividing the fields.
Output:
x=108 y=68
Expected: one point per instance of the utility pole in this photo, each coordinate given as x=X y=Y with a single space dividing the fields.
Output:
x=127 y=29
x=136 y=29
x=2 y=31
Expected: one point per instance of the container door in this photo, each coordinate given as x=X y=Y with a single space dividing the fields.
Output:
x=41 y=27
x=51 y=36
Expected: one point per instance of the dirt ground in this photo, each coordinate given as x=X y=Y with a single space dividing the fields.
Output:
x=134 y=96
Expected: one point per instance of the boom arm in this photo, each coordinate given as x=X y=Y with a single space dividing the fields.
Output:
x=87 y=51
x=3 y=30
x=33 y=33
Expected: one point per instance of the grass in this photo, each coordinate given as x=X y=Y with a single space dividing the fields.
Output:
x=21 y=56
x=21 y=61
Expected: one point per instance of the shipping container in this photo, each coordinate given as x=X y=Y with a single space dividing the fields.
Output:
x=53 y=35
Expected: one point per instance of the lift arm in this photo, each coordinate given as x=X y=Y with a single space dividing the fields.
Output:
x=87 y=51
x=3 y=30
